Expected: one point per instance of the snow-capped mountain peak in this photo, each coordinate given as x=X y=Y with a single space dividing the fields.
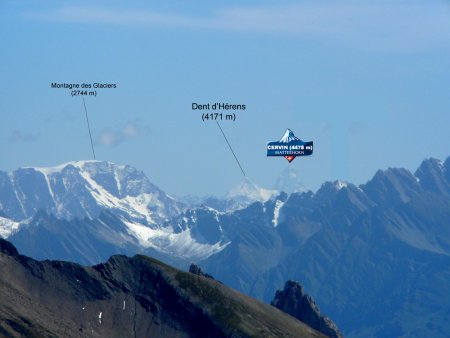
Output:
x=61 y=167
x=289 y=181
x=246 y=190
x=340 y=184
x=288 y=136
x=83 y=189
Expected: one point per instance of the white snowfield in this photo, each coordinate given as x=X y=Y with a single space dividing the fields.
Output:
x=180 y=244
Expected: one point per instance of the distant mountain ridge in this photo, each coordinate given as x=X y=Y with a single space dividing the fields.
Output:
x=375 y=257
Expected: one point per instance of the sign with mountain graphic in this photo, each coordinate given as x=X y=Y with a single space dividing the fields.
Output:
x=289 y=146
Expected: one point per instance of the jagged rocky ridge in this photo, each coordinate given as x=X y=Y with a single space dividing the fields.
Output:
x=196 y=270
x=293 y=300
x=127 y=297
x=375 y=257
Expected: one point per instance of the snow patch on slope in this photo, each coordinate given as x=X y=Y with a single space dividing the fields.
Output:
x=180 y=244
x=134 y=206
x=276 y=212
x=8 y=227
x=340 y=184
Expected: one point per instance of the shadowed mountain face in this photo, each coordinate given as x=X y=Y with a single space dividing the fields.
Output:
x=127 y=297
x=376 y=258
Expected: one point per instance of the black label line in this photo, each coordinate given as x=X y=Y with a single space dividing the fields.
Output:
x=89 y=128
x=232 y=151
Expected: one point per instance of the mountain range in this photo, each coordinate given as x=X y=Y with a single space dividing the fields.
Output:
x=93 y=209
x=375 y=257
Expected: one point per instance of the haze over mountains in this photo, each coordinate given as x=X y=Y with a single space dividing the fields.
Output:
x=376 y=257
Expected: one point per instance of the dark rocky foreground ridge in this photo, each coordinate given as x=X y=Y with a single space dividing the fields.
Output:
x=294 y=301
x=127 y=297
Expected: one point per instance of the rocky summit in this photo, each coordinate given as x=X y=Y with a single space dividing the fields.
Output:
x=293 y=300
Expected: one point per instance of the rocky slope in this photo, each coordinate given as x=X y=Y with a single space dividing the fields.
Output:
x=127 y=297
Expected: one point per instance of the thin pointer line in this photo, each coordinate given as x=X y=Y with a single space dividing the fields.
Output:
x=229 y=145
x=89 y=127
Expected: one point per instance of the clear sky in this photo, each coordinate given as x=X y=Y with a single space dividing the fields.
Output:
x=367 y=81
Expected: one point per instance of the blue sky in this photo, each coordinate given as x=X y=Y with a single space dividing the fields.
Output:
x=368 y=82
